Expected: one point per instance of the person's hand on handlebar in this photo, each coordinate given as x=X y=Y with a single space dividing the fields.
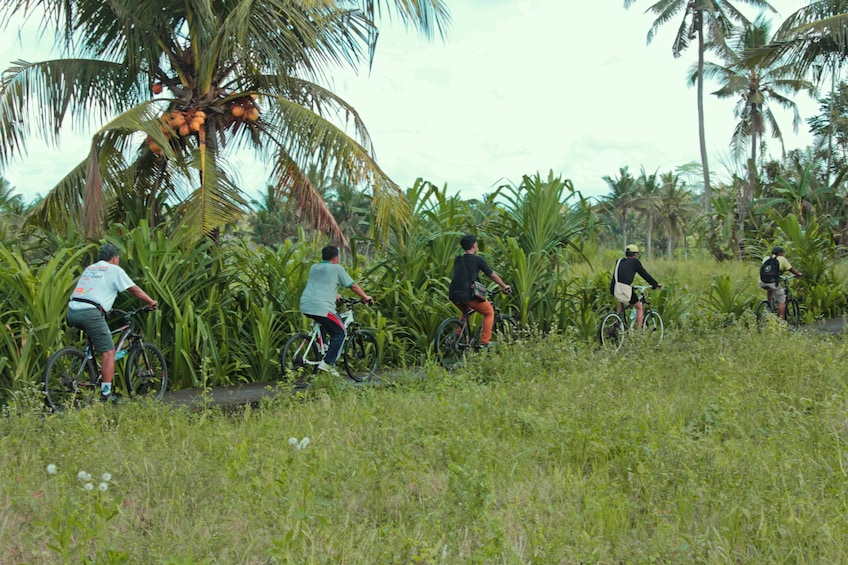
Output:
x=507 y=289
x=152 y=305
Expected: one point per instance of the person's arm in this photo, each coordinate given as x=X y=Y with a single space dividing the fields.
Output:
x=796 y=272
x=497 y=278
x=645 y=275
x=141 y=295
x=361 y=293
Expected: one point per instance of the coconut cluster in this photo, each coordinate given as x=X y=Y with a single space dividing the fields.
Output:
x=182 y=123
x=244 y=109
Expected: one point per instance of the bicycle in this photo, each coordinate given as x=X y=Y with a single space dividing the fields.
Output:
x=360 y=350
x=72 y=376
x=454 y=337
x=770 y=306
x=615 y=325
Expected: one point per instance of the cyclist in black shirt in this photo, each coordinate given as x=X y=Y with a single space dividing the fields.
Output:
x=465 y=270
x=628 y=268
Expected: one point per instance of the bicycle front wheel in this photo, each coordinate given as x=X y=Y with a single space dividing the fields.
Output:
x=612 y=331
x=146 y=372
x=452 y=343
x=296 y=355
x=507 y=329
x=70 y=380
x=793 y=313
x=653 y=328
x=361 y=355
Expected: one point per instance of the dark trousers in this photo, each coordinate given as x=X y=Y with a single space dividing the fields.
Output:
x=331 y=325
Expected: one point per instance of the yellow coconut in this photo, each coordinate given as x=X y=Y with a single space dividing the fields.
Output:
x=253 y=114
x=237 y=110
x=195 y=125
x=185 y=130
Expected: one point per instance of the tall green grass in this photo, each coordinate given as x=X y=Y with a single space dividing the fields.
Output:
x=729 y=447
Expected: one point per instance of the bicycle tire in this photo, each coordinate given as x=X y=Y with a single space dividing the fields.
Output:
x=612 y=331
x=763 y=308
x=294 y=353
x=452 y=343
x=146 y=372
x=793 y=313
x=70 y=380
x=361 y=355
x=507 y=329
x=653 y=327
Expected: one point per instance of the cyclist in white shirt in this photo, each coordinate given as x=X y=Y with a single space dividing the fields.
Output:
x=92 y=299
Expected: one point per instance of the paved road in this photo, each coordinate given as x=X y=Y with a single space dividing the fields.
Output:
x=252 y=393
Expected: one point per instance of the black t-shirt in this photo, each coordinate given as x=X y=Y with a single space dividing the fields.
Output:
x=627 y=271
x=465 y=270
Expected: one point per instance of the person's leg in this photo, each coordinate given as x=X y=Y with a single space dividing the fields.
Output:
x=488 y=312
x=333 y=326
x=640 y=313
x=94 y=324
x=780 y=297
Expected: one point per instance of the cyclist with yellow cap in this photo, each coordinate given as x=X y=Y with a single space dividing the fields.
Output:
x=624 y=272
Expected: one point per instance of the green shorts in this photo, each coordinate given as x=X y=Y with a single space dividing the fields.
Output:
x=93 y=322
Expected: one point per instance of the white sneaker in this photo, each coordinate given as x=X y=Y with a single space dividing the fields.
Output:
x=328 y=368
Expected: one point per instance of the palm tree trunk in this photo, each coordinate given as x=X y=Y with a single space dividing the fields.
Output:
x=702 y=138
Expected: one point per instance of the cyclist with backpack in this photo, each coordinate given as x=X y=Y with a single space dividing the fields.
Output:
x=772 y=267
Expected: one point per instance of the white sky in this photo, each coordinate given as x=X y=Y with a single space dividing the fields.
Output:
x=519 y=87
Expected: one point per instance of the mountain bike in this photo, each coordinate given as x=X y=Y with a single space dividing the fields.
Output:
x=72 y=376
x=616 y=325
x=770 y=305
x=360 y=351
x=455 y=337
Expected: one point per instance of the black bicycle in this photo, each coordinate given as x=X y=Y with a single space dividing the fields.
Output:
x=770 y=306
x=615 y=325
x=72 y=376
x=455 y=338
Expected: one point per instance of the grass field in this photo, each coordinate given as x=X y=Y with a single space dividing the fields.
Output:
x=721 y=447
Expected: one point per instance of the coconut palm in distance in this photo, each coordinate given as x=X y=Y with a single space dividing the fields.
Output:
x=702 y=20
x=755 y=85
x=224 y=75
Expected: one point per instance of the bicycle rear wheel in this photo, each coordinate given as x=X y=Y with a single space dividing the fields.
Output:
x=452 y=343
x=612 y=331
x=763 y=310
x=70 y=380
x=295 y=355
x=146 y=373
x=361 y=355
x=793 y=313
x=653 y=328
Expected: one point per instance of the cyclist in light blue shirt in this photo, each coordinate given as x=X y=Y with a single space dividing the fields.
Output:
x=318 y=302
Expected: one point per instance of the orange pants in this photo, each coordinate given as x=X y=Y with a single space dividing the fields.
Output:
x=485 y=308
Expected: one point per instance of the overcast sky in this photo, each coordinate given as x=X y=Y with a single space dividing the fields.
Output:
x=519 y=87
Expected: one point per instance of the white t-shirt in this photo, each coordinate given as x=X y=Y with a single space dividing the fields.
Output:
x=101 y=283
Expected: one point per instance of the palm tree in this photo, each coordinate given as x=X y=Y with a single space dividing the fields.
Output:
x=647 y=203
x=755 y=85
x=677 y=207
x=622 y=199
x=225 y=74
x=812 y=39
x=718 y=17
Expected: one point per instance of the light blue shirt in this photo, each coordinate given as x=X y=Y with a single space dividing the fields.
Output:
x=322 y=287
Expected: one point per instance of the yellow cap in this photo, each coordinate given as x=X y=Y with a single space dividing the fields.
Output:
x=631 y=249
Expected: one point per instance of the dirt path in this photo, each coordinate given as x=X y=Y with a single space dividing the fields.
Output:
x=252 y=393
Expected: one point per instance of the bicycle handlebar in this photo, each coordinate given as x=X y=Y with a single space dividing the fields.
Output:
x=352 y=301
x=127 y=314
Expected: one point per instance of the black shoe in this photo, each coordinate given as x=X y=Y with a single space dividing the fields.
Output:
x=112 y=398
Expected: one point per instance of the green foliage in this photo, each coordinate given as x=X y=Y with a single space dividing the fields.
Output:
x=548 y=451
